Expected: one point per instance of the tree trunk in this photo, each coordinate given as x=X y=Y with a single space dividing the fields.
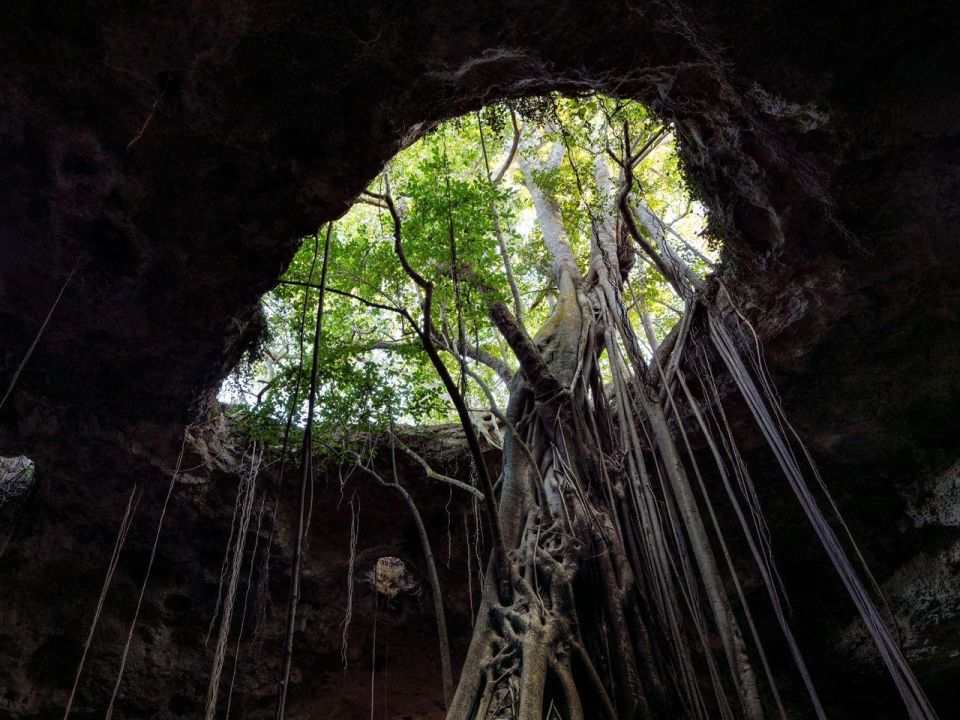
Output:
x=606 y=547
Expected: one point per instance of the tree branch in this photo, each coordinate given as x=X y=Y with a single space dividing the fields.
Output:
x=499 y=366
x=433 y=474
x=514 y=144
x=305 y=461
x=426 y=334
x=545 y=386
x=498 y=230
x=344 y=293
x=551 y=223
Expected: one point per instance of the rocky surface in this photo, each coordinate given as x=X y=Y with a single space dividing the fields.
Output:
x=61 y=541
x=170 y=155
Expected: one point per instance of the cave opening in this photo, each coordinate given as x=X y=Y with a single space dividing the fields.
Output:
x=564 y=139
x=590 y=390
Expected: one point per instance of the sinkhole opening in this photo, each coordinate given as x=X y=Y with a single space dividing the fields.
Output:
x=489 y=206
x=540 y=274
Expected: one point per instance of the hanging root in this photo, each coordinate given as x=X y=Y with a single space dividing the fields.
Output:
x=605 y=596
x=36 y=339
x=111 y=568
x=248 y=491
x=348 y=615
x=918 y=707
x=146 y=578
x=246 y=600
x=226 y=562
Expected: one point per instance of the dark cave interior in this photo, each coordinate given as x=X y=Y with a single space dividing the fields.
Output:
x=172 y=153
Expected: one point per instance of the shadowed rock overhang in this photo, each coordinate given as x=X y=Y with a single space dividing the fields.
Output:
x=177 y=152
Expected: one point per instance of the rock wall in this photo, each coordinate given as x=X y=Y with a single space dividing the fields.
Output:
x=64 y=531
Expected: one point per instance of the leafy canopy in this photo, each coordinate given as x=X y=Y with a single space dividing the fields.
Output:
x=371 y=368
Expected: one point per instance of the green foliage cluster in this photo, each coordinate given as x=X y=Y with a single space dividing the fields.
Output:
x=372 y=369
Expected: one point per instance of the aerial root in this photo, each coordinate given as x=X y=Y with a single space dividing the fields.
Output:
x=111 y=568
